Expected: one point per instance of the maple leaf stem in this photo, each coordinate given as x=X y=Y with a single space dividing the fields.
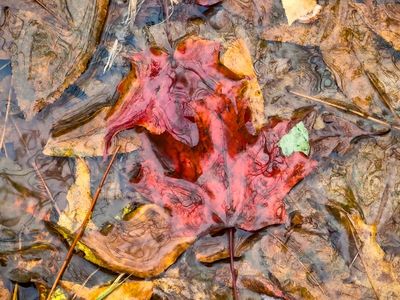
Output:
x=231 y=242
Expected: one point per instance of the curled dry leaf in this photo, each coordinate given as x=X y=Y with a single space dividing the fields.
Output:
x=160 y=91
x=88 y=140
x=131 y=290
x=144 y=246
x=52 y=47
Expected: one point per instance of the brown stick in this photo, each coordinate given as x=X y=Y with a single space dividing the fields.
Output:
x=348 y=110
x=82 y=228
x=231 y=240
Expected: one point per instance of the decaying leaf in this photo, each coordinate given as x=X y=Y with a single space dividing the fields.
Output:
x=335 y=134
x=383 y=18
x=382 y=276
x=52 y=46
x=296 y=9
x=348 y=46
x=210 y=249
x=185 y=289
x=131 y=290
x=88 y=140
x=144 y=246
x=160 y=91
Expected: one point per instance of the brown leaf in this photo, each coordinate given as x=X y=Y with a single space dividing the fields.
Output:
x=382 y=18
x=88 y=140
x=143 y=246
x=52 y=47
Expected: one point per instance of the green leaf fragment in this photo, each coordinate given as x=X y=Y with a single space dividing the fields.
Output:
x=59 y=295
x=296 y=140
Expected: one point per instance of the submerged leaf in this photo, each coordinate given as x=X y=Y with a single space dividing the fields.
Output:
x=52 y=45
x=132 y=290
x=145 y=245
x=382 y=275
x=210 y=249
x=231 y=179
x=88 y=140
x=4 y=292
x=78 y=198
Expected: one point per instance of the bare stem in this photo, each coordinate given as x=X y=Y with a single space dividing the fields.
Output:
x=231 y=241
x=82 y=228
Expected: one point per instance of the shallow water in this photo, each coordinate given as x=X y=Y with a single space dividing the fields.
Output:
x=316 y=254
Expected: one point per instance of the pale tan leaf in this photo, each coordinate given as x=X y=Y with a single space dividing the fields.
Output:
x=297 y=9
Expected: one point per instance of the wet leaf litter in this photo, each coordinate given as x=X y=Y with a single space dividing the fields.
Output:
x=254 y=150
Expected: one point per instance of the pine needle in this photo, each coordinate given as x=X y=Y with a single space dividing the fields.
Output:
x=349 y=110
x=116 y=284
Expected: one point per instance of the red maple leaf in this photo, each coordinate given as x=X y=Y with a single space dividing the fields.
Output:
x=199 y=159
x=202 y=163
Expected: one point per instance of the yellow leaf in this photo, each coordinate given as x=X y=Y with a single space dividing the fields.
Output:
x=380 y=272
x=78 y=198
x=237 y=59
x=132 y=290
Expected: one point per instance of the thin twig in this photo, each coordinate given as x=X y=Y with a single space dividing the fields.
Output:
x=231 y=242
x=5 y=121
x=354 y=259
x=5 y=65
x=112 y=55
x=37 y=171
x=348 y=110
x=82 y=228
